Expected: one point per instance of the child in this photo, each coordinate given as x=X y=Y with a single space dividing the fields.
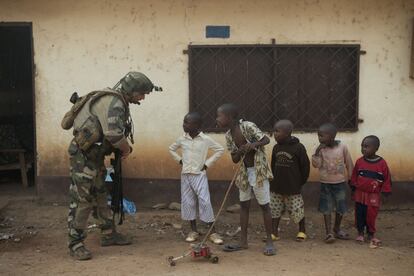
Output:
x=246 y=142
x=370 y=178
x=290 y=166
x=194 y=183
x=335 y=167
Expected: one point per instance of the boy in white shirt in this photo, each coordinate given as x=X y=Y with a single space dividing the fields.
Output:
x=194 y=183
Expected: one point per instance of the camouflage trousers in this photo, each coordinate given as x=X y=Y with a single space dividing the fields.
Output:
x=88 y=193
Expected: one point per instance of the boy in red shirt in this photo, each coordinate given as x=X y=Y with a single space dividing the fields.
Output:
x=370 y=178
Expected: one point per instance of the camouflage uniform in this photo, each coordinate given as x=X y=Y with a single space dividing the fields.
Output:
x=88 y=192
x=100 y=125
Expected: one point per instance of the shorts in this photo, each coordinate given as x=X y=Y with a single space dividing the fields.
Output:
x=262 y=194
x=194 y=188
x=333 y=198
x=293 y=204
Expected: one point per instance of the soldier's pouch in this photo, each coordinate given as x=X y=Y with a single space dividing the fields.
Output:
x=88 y=134
x=86 y=175
x=68 y=119
x=73 y=148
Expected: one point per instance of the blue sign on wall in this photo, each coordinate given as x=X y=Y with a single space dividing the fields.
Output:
x=218 y=31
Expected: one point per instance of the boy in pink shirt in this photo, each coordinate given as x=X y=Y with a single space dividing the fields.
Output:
x=335 y=168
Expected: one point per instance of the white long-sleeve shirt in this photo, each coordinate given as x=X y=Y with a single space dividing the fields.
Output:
x=194 y=152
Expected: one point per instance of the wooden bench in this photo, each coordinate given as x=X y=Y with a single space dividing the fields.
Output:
x=23 y=166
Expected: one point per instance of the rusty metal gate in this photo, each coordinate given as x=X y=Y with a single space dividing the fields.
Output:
x=308 y=84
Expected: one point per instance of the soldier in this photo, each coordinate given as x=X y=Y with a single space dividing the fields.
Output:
x=101 y=123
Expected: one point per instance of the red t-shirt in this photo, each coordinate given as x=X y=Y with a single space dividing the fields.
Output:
x=370 y=178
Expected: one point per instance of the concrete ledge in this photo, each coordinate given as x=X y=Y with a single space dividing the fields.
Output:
x=146 y=192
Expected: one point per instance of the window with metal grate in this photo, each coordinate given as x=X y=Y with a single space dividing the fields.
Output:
x=308 y=84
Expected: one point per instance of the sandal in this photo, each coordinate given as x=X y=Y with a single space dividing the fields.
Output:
x=301 y=236
x=269 y=250
x=274 y=238
x=341 y=235
x=329 y=238
x=360 y=239
x=375 y=243
x=233 y=247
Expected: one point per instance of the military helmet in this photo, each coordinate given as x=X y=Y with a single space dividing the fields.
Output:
x=136 y=82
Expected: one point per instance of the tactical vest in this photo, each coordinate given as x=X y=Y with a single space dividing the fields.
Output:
x=88 y=130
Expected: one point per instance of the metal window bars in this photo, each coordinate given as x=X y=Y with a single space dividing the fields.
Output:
x=308 y=84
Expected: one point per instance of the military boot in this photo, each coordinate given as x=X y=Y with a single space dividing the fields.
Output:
x=79 y=252
x=114 y=238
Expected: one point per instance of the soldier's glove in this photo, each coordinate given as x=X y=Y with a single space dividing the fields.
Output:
x=125 y=149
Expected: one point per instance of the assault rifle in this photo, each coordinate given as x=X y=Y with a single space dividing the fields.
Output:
x=117 y=205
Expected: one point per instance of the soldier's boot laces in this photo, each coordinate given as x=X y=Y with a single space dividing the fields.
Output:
x=79 y=252
x=114 y=239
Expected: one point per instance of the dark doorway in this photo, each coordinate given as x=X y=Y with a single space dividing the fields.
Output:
x=17 y=137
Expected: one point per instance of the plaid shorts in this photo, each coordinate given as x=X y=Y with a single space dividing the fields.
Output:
x=293 y=204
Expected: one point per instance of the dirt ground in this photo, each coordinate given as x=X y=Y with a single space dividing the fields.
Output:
x=38 y=246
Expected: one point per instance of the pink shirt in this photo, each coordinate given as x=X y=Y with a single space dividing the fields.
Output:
x=334 y=164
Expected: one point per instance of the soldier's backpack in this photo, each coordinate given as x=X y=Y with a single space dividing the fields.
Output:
x=90 y=131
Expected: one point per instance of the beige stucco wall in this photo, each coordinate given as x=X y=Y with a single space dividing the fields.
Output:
x=85 y=45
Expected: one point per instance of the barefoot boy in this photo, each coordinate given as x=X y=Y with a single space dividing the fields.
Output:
x=335 y=168
x=290 y=166
x=194 y=183
x=246 y=142
x=370 y=178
